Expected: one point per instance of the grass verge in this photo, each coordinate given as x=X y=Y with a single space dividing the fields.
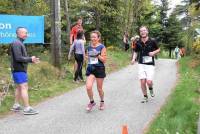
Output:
x=181 y=112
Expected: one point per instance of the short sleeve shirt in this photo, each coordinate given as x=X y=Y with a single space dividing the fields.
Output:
x=93 y=53
x=143 y=50
x=75 y=30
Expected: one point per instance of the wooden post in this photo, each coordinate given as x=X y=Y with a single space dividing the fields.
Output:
x=56 y=33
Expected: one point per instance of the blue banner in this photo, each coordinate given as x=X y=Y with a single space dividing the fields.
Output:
x=34 y=25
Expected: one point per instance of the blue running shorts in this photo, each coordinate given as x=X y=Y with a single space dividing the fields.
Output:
x=20 y=77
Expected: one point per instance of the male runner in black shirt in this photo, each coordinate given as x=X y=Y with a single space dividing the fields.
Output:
x=146 y=49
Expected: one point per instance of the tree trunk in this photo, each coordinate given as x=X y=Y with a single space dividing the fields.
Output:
x=125 y=28
x=170 y=52
x=128 y=15
x=97 y=16
x=56 y=33
x=137 y=7
x=68 y=23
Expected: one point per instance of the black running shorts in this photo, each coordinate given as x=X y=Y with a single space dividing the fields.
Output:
x=97 y=71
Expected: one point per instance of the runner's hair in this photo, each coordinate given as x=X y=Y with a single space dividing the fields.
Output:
x=144 y=27
x=98 y=34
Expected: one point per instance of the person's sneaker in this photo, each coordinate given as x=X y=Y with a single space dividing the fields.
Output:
x=102 y=106
x=16 y=108
x=82 y=80
x=145 y=99
x=151 y=93
x=90 y=106
x=76 y=81
x=30 y=111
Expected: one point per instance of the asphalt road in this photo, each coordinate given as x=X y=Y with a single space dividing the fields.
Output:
x=66 y=114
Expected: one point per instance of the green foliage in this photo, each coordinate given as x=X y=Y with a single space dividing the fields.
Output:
x=116 y=54
x=42 y=75
x=196 y=46
x=24 y=7
x=189 y=22
x=181 y=112
x=104 y=15
x=147 y=12
x=172 y=34
x=111 y=17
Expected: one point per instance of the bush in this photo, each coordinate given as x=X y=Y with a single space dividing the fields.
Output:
x=41 y=75
x=196 y=46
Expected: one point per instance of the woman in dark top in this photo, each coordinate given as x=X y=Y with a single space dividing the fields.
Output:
x=96 y=54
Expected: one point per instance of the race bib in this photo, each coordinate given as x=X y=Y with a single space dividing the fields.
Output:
x=93 y=60
x=147 y=59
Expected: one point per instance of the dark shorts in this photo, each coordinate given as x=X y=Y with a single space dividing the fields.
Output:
x=20 y=77
x=126 y=45
x=97 y=71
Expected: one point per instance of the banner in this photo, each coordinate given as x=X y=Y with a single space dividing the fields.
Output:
x=9 y=24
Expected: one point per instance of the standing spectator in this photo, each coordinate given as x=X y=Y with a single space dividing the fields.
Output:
x=96 y=54
x=177 y=52
x=146 y=49
x=133 y=43
x=125 y=41
x=182 y=52
x=75 y=29
x=79 y=54
x=73 y=35
x=19 y=63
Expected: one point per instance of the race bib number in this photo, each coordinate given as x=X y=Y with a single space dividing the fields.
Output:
x=147 y=59
x=93 y=60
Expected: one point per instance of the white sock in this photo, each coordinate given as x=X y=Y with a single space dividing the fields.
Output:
x=27 y=108
x=16 y=105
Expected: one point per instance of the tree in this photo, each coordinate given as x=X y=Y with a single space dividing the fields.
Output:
x=104 y=15
x=22 y=7
x=190 y=21
x=173 y=34
x=145 y=13
x=68 y=22
x=111 y=17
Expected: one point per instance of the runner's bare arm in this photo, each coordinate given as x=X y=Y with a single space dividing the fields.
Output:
x=154 y=52
x=134 y=58
x=71 y=36
x=102 y=56
x=86 y=55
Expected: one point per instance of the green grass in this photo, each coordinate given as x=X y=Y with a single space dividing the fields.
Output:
x=117 y=58
x=181 y=112
x=45 y=81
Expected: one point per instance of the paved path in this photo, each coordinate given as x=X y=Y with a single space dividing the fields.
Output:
x=66 y=114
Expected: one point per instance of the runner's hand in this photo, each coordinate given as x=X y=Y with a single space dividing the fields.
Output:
x=35 y=60
x=151 y=54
